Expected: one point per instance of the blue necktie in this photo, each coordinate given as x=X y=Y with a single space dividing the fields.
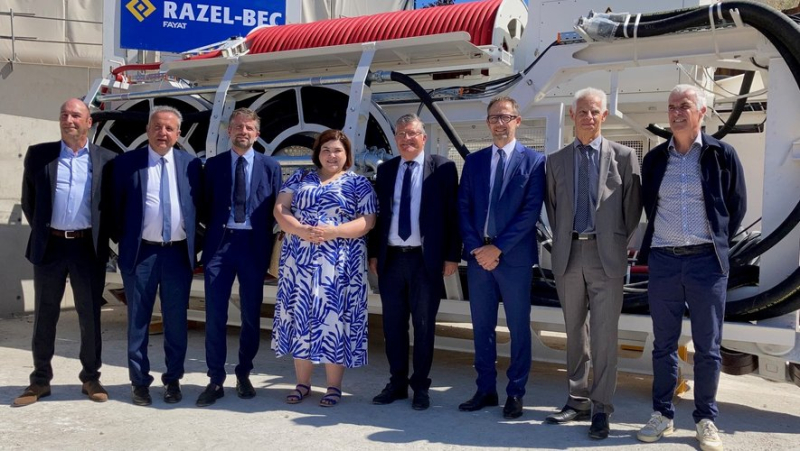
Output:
x=404 y=223
x=166 y=204
x=239 y=192
x=491 y=228
x=582 y=210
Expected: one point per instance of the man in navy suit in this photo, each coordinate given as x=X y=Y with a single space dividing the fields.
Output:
x=414 y=244
x=500 y=199
x=61 y=199
x=156 y=191
x=239 y=191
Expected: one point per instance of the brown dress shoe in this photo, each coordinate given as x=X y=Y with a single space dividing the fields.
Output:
x=95 y=391
x=31 y=395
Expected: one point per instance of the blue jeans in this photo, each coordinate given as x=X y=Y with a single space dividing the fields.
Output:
x=676 y=282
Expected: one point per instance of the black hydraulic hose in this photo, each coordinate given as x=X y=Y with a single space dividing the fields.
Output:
x=779 y=300
x=659 y=131
x=738 y=106
x=423 y=95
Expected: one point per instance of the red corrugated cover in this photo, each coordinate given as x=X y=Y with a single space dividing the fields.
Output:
x=476 y=18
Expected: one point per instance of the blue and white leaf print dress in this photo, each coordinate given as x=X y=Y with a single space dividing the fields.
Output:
x=321 y=308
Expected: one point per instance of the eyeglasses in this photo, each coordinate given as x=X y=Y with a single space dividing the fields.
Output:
x=501 y=118
x=412 y=134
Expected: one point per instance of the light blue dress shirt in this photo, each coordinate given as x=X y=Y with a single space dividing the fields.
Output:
x=72 y=204
x=249 y=156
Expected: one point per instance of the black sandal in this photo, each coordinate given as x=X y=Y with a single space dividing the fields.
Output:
x=296 y=396
x=331 y=399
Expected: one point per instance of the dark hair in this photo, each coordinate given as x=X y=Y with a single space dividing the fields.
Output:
x=332 y=135
x=248 y=114
x=514 y=104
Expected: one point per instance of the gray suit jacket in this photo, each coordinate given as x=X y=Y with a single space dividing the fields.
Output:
x=619 y=205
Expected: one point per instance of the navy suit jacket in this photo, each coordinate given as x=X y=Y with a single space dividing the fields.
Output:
x=217 y=202
x=438 y=216
x=130 y=190
x=39 y=190
x=517 y=211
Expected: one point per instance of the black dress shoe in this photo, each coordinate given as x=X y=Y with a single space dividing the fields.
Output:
x=479 y=401
x=210 y=395
x=245 y=389
x=141 y=395
x=568 y=414
x=421 y=400
x=390 y=394
x=600 y=427
x=172 y=392
x=513 y=408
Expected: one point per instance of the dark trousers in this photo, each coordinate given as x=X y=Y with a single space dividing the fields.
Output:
x=408 y=290
x=676 y=282
x=512 y=284
x=167 y=270
x=74 y=258
x=235 y=258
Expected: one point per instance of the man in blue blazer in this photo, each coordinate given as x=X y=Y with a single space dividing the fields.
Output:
x=156 y=192
x=62 y=189
x=500 y=199
x=411 y=257
x=239 y=191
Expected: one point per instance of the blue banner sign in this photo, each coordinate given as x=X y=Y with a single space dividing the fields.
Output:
x=177 y=26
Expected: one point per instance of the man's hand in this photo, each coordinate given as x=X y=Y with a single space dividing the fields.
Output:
x=450 y=268
x=487 y=256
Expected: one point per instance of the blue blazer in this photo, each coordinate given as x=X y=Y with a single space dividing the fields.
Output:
x=517 y=211
x=130 y=191
x=39 y=190
x=217 y=202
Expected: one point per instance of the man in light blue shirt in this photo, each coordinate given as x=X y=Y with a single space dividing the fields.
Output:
x=61 y=199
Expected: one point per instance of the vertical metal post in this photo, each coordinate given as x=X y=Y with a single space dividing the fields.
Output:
x=355 y=124
x=13 y=38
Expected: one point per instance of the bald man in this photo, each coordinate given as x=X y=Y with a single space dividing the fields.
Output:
x=61 y=199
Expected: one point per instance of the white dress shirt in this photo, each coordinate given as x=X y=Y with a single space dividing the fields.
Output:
x=416 y=199
x=153 y=218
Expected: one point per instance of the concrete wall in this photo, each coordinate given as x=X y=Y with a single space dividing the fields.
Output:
x=31 y=97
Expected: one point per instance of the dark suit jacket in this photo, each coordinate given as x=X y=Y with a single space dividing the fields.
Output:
x=217 y=201
x=619 y=205
x=517 y=211
x=130 y=189
x=438 y=218
x=39 y=190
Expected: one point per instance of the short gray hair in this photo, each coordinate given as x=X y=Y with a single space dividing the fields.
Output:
x=165 y=109
x=699 y=94
x=410 y=119
x=590 y=92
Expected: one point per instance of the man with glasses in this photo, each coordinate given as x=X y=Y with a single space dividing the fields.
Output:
x=594 y=206
x=695 y=199
x=499 y=201
x=415 y=242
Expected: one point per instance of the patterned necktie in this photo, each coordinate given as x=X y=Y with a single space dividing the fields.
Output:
x=239 y=192
x=491 y=228
x=582 y=213
x=404 y=223
x=166 y=204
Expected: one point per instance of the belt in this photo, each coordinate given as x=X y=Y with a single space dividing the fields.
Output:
x=70 y=234
x=688 y=250
x=487 y=240
x=405 y=249
x=163 y=243
x=583 y=236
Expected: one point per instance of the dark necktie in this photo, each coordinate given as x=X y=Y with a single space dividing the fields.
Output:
x=582 y=211
x=491 y=228
x=239 y=192
x=404 y=223
x=166 y=204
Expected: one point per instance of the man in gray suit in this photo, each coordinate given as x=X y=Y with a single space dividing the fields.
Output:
x=594 y=205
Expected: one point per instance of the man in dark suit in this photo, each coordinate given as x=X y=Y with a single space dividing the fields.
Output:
x=500 y=199
x=239 y=191
x=594 y=206
x=415 y=243
x=156 y=191
x=61 y=199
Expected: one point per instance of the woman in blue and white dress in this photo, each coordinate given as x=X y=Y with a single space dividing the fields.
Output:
x=321 y=308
